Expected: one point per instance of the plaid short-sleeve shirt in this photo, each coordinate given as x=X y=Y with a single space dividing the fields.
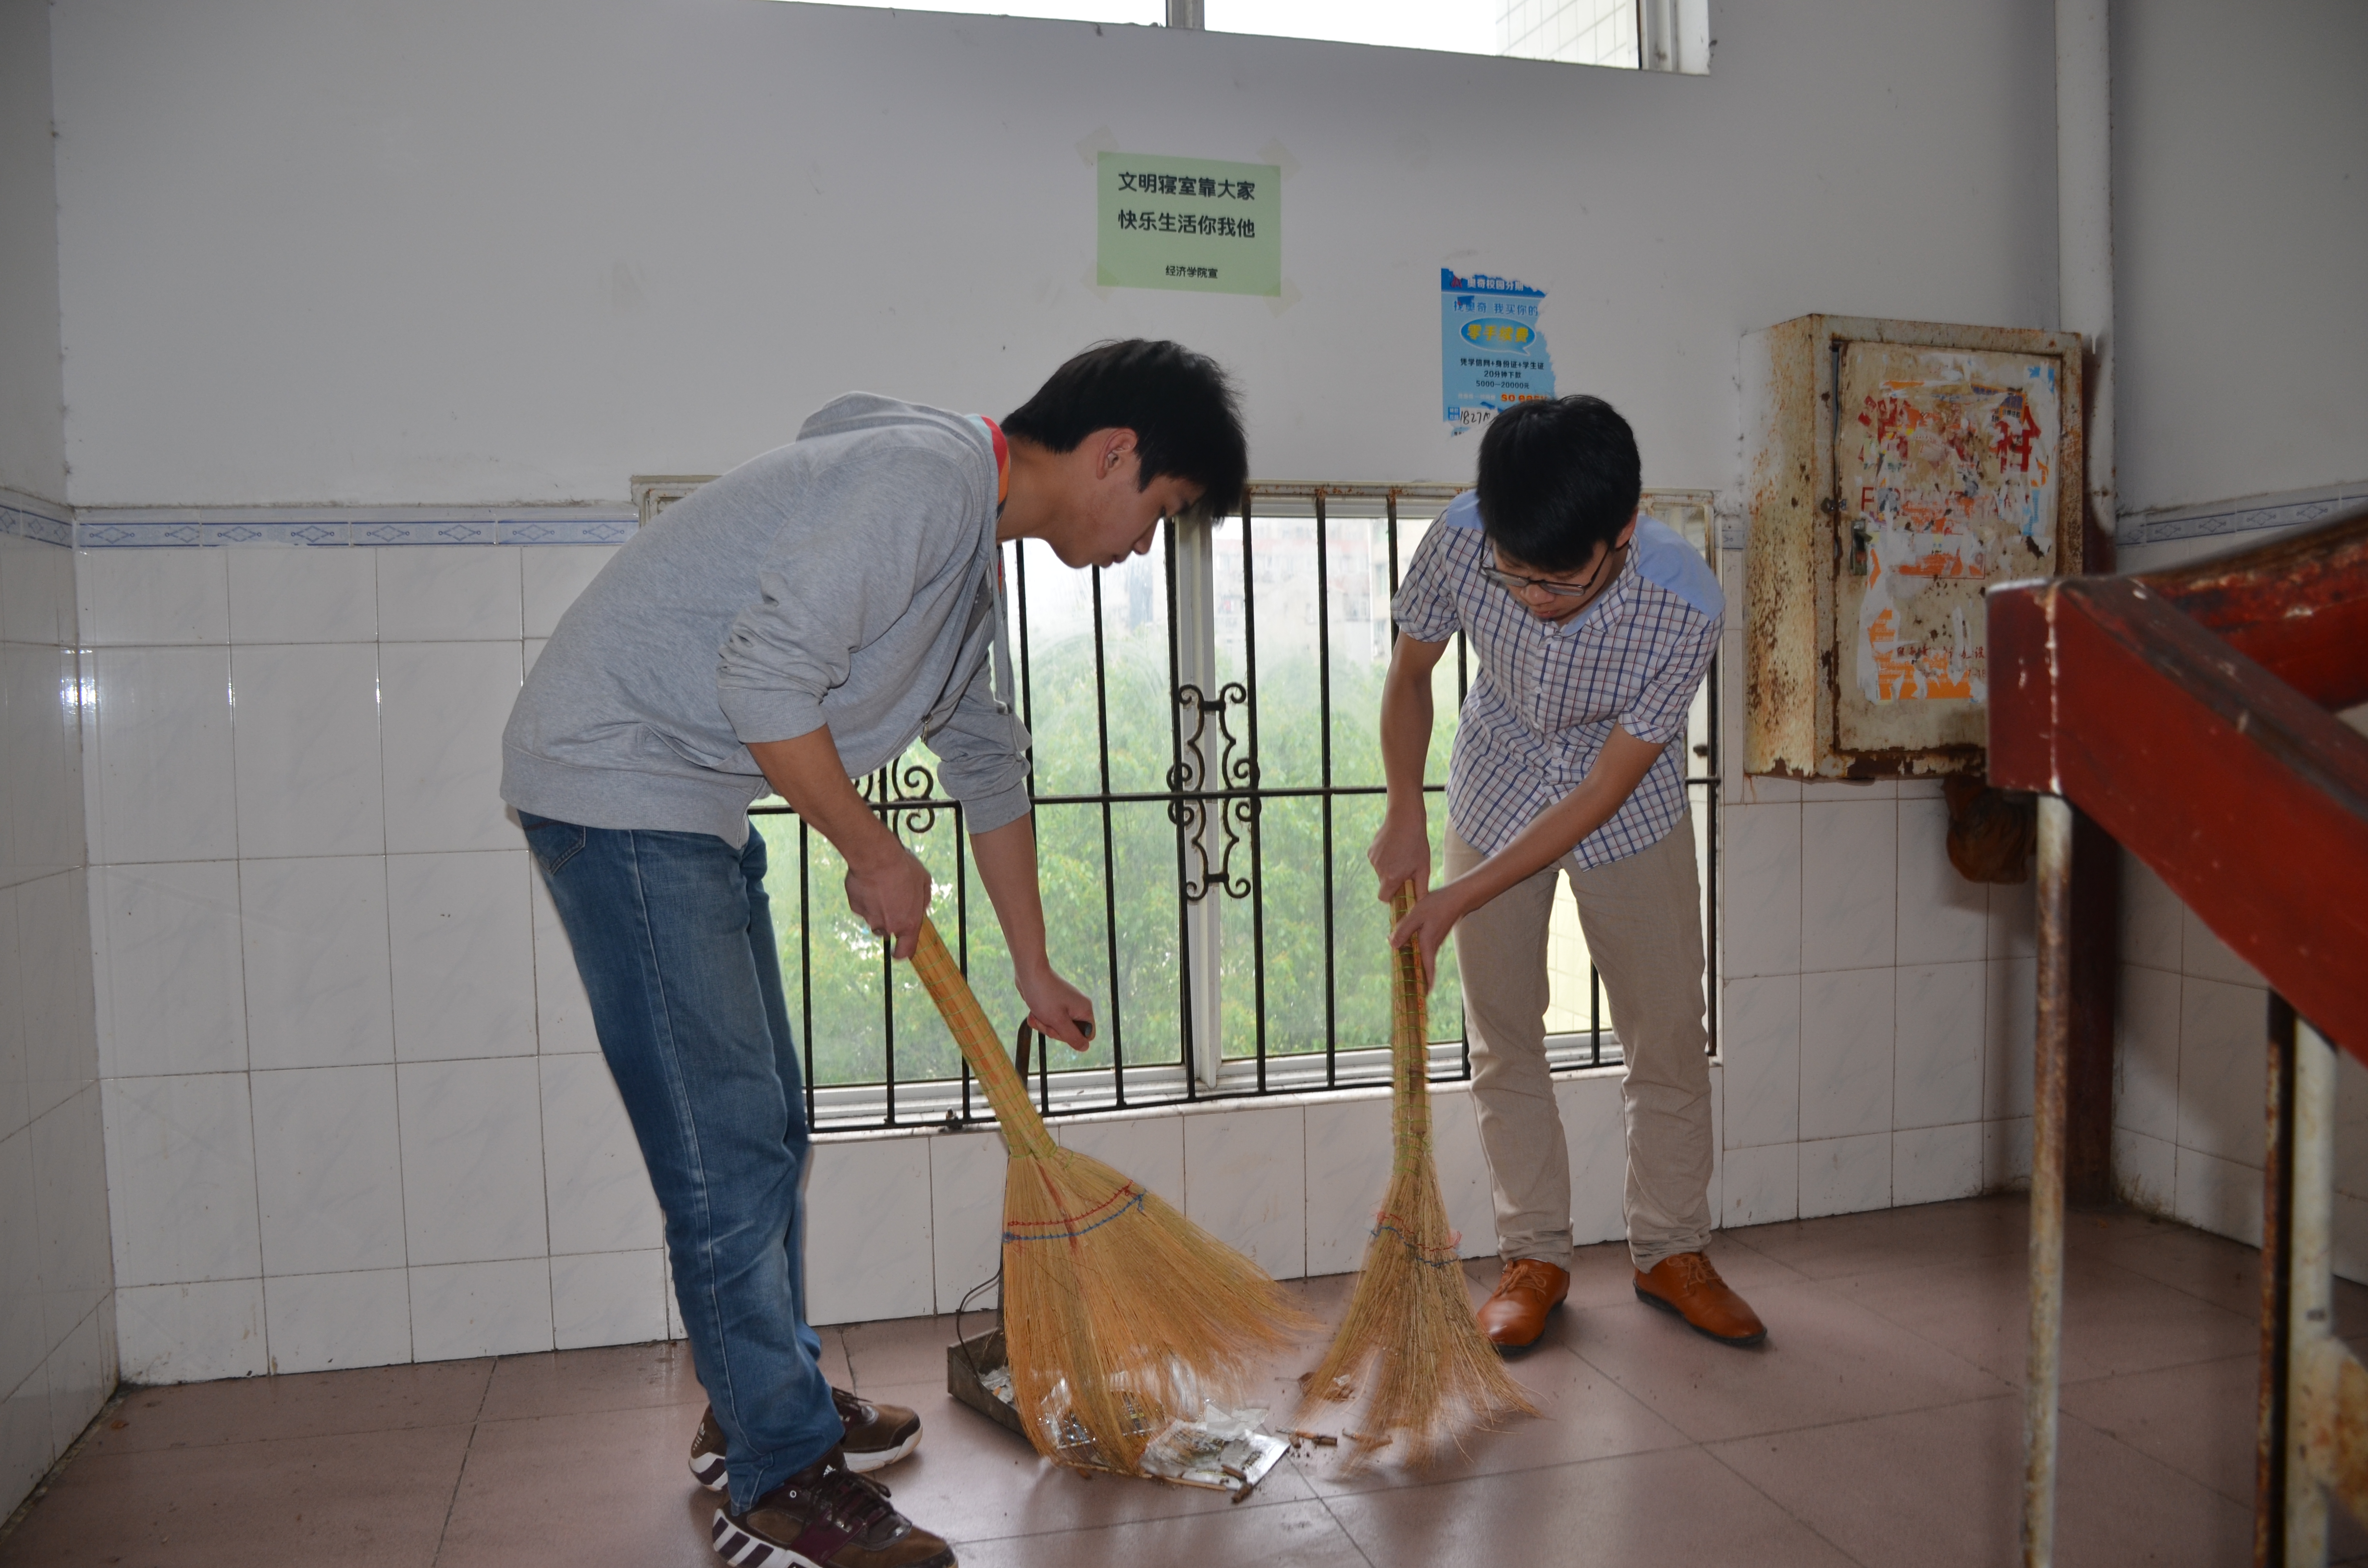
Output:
x=1545 y=697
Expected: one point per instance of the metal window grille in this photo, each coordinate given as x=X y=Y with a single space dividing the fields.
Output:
x=1206 y=777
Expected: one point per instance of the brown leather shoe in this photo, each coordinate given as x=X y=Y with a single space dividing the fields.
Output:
x=1514 y=1312
x=1687 y=1285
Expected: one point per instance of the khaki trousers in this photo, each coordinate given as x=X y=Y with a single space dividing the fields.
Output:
x=1643 y=920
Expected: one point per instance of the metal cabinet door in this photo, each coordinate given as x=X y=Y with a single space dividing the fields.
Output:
x=1945 y=470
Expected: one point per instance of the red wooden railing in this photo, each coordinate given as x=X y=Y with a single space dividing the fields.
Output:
x=2187 y=713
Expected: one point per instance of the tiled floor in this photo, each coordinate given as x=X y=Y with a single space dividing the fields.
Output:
x=1880 y=1425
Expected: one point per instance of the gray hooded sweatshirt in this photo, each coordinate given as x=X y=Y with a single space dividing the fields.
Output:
x=848 y=579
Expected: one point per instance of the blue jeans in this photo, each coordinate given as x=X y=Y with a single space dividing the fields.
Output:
x=674 y=938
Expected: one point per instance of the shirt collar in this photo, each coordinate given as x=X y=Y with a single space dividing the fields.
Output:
x=1002 y=459
x=1607 y=604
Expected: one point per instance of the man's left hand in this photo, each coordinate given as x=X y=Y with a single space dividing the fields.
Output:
x=1058 y=1008
x=1426 y=926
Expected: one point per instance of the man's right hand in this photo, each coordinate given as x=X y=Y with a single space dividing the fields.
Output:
x=889 y=891
x=1400 y=852
x=886 y=887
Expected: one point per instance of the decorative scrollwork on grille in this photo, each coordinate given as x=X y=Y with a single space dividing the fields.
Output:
x=1217 y=823
x=905 y=793
x=1235 y=817
x=1234 y=771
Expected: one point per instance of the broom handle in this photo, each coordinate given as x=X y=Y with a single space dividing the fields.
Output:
x=1023 y=1130
x=1409 y=1039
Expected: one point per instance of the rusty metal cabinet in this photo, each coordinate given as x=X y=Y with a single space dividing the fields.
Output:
x=1895 y=470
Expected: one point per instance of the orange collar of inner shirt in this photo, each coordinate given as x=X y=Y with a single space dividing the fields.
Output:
x=1002 y=460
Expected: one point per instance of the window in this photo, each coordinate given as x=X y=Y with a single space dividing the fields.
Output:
x=1661 y=35
x=1584 y=32
x=1202 y=805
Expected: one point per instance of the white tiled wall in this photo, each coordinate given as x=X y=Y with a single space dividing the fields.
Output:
x=1878 y=1007
x=901 y=1226
x=356 y=1114
x=57 y=1307
x=2190 y=1076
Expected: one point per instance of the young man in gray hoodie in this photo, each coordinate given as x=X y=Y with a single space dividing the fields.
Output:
x=794 y=623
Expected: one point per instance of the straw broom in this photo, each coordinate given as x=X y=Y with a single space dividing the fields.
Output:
x=1117 y=1309
x=1410 y=1350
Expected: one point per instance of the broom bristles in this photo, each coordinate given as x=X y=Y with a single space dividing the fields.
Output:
x=1409 y=1357
x=1117 y=1309
x=1121 y=1308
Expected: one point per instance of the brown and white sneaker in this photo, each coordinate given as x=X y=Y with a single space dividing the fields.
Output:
x=826 y=1517
x=877 y=1435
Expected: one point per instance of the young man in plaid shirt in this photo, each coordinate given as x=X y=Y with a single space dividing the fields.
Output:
x=1591 y=626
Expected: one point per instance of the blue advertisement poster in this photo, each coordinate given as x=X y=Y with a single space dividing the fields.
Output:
x=1491 y=355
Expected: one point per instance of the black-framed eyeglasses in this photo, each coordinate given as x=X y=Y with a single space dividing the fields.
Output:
x=1513 y=581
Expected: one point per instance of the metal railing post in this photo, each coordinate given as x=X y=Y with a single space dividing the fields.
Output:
x=2277 y=1249
x=2051 y=1048
x=2311 y=1375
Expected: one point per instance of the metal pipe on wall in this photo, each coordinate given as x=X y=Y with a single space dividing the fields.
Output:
x=2084 y=221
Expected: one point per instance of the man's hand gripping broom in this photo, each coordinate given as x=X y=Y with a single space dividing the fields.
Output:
x=1118 y=1312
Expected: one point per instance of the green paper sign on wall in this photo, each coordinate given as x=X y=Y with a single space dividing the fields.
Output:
x=1189 y=223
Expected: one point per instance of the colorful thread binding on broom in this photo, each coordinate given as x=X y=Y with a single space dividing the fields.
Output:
x=1130 y=1194
x=1438 y=1256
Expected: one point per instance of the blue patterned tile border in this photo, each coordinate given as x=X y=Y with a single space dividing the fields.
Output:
x=27 y=517
x=380 y=526
x=140 y=536
x=2248 y=516
x=279 y=533
x=568 y=530
x=17 y=523
x=432 y=530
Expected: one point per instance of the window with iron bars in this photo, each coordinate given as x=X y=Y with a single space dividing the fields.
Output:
x=1206 y=775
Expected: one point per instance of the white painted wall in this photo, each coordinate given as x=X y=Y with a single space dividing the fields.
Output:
x=32 y=407
x=2240 y=214
x=455 y=252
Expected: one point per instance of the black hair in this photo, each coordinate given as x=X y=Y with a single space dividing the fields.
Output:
x=1185 y=417
x=1557 y=477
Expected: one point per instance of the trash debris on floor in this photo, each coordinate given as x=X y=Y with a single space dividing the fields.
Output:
x=1223 y=1450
